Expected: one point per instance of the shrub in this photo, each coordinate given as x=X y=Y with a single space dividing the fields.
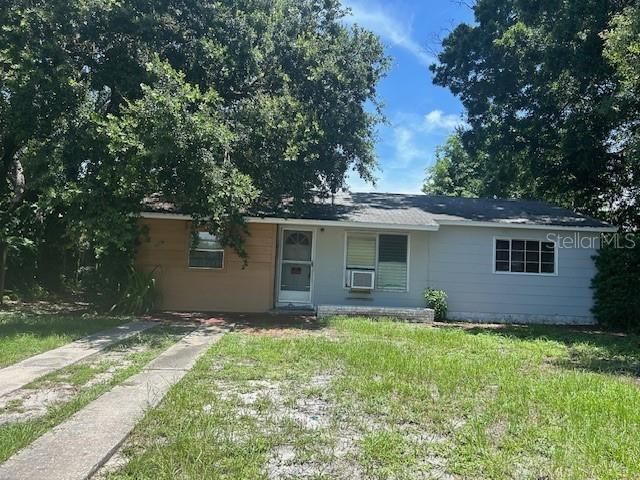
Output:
x=140 y=293
x=437 y=300
x=616 y=285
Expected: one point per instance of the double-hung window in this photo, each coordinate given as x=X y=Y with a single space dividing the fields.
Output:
x=384 y=254
x=206 y=252
x=525 y=256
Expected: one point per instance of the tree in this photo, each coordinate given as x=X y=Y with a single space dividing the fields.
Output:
x=214 y=105
x=542 y=103
x=294 y=81
x=622 y=51
x=41 y=86
x=454 y=172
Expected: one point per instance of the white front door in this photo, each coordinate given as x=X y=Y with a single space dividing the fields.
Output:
x=296 y=267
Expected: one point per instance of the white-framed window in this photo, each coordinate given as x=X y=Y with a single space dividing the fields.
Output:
x=522 y=256
x=386 y=254
x=206 y=252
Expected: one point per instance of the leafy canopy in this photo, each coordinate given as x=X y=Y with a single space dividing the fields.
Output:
x=214 y=105
x=545 y=102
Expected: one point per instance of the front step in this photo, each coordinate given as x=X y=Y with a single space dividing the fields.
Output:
x=413 y=315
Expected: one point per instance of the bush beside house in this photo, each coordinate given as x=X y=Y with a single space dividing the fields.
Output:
x=437 y=300
x=617 y=285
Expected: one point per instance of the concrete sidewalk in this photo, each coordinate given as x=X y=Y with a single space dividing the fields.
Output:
x=19 y=374
x=75 y=449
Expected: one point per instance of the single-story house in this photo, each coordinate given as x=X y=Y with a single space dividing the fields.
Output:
x=497 y=260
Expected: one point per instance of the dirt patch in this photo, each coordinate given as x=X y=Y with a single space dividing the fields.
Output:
x=337 y=431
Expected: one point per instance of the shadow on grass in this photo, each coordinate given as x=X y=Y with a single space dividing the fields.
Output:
x=588 y=348
x=45 y=320
x=259 y=323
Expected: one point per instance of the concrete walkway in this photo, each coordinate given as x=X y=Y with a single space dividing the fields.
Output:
x=19 y=374
x=75 y=449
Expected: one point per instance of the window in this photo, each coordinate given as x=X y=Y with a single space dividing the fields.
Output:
x=361 y=252
x=525 y=256
x=207 y=252
x=392 y=262
x=384 y=254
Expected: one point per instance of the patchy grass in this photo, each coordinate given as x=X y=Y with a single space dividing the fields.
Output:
x=77 y=382
x=384 y=400
x=25 y=332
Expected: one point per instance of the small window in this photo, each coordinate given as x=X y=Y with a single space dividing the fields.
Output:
x=525 y=256
x=207 y=252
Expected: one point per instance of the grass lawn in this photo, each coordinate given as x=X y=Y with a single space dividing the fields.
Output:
x=132 y=354
x=26 y=332
x=362 y=399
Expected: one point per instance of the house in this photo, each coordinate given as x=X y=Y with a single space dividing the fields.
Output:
x=498 y=260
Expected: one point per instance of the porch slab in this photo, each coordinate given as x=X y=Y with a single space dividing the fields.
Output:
x=413 y=315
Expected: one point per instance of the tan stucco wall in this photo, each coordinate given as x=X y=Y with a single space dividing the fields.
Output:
x=231 y=289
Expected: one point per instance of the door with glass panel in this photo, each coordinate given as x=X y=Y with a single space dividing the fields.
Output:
x=296 y=267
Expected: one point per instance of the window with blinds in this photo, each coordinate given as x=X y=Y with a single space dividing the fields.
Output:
x=392 y=262
x=384 y=254
x=361 y=252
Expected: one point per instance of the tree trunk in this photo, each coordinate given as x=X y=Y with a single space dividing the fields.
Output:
x=4 y=248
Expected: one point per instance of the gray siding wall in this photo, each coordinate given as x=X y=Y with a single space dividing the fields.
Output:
x=328 y=286
x=459 y=260
x=461 y=263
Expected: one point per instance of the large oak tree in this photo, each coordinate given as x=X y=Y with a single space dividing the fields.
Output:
x=546 y=113
x=215 y=105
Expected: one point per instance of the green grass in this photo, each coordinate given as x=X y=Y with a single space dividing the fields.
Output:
x=25 y=333
x=15 y=436
x=410 y=401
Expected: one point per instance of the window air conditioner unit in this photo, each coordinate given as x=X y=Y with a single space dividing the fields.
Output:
x=362 y=279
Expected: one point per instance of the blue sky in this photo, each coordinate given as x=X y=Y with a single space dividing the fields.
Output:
x=421 y=115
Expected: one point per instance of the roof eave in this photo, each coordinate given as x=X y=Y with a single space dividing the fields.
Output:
x=530 y=226
x=344 y=223
x=395 y=226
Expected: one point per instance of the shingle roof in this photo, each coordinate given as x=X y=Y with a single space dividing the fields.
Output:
x=427 y=210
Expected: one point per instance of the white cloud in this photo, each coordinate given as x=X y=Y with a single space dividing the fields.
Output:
x=405 y=148
x=399 y=33
x=438 y=120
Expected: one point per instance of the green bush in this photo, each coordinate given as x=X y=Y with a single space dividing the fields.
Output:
x=437 y=300
x=616 y=285
x=140 y=293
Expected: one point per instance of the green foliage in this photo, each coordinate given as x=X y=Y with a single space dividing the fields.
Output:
x=214 y=106
x=139 y=294
x=437 y=300
x=616 y=285
x=622 y=46
x=622 y=51
x=453 y=172
x=545 y=106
